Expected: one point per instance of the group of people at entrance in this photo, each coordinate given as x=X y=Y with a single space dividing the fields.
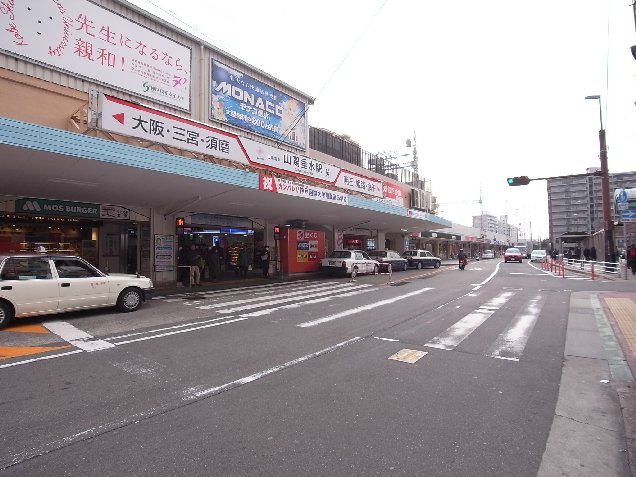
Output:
x=210 y=258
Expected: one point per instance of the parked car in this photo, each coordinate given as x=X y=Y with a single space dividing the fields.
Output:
x=488 y=254
x=343 y=262
x=513 y=255
x=386 y=257
x=422 y=259
x=36 y=284
x=537 y=255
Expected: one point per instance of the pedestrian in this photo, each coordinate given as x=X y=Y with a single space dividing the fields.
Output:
x=586 y=253
x=265 y=261
x=243 y=261
x=213 y=262
x=631 y=258
x=193 y=261
x=593 y=253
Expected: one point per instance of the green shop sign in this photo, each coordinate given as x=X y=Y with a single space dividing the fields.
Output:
x=56 y=207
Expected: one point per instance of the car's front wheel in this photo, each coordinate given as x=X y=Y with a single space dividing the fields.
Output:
x=418 y=265
x=406 y=267
x=6 y=314
x=376 y=269
x=129 y=300
x=436 y=264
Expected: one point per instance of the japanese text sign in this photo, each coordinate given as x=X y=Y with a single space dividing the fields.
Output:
x=151 y=125
x=245 y=102
x=87 y=40
x=351 y=181
x=274 y=158
x=283 y=186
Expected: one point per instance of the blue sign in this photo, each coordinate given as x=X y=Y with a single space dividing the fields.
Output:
x=628 y=214
x=622 y=196
x=246 y=103
x=302 y=245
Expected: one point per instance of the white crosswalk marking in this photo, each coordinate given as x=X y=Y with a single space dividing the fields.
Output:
x=510 y=344
x=457 y=333
x=316 y=293
x=286 y=296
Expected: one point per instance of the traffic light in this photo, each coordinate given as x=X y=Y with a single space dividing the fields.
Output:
x=517 y=181
x=179 y=222
x=277 y=233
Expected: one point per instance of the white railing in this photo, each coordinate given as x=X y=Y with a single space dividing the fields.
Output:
x=586 y=267
x=593 y=267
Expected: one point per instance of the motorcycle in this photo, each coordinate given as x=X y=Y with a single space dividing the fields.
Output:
x=462 y=264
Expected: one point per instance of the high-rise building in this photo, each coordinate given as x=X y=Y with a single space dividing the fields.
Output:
x=575 y=204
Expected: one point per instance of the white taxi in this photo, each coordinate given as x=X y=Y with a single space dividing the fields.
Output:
x=344 y=262
x=39 y=284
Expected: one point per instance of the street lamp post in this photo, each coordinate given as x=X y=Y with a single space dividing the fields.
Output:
x=608 y=221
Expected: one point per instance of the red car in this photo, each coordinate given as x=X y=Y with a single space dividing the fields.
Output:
x=513 y=255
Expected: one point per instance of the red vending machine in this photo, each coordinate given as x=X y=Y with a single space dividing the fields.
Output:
x=301 y=250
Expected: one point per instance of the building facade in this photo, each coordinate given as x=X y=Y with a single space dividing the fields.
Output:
x=124 y=139
x=575 y=204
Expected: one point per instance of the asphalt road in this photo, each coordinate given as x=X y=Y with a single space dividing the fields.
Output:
x=297 y=378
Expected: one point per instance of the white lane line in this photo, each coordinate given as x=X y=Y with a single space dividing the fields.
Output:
x=40 y=358
x=158 y=330
x=252 y=299
x=250 y=306
x=479 y=285
x=76 y=337
x=194 y=393
x=511 y=343
x=308 y=302
x=384 y=339
x=176 y=332
x=457 y=333
x=361 y=308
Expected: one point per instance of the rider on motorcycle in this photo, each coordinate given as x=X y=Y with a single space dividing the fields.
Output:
x=462 y=256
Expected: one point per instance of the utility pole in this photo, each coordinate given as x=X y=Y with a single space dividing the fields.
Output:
x=608 y=221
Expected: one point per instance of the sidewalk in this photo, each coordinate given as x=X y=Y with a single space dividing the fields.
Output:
x=594 y=428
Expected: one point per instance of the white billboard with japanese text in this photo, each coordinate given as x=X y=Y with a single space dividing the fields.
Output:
x=87 y=40
x=134 y=120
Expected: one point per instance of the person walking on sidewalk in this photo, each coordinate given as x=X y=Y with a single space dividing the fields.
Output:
x=193 y=259
x=243 y=261
x=213 y=262
x=631 y=258
x=265 y=261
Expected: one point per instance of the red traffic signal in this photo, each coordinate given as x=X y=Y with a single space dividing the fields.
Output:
x=277 y=233
x=180 y=221
x=518 y=181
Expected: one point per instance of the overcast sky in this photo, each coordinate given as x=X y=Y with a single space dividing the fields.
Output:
x=493 y=89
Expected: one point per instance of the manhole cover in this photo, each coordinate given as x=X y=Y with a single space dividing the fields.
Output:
x=408 y=355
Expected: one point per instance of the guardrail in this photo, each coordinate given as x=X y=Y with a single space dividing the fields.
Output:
x=591 y=267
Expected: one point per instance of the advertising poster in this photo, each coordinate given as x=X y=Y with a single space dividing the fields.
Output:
x=302 y=256
x=283 y=186
x=164 y=252
x=246 y=103
x=87 y=40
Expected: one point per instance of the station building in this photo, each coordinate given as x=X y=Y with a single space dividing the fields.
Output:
x=124 y=139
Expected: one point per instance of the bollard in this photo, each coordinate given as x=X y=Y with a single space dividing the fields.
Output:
x=592 y=270
x=390 y=274
x=562 y=269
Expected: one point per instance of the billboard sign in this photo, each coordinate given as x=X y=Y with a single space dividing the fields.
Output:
x=247 y=103
x=89 y=41
x=151 y=125
x=283 y=186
